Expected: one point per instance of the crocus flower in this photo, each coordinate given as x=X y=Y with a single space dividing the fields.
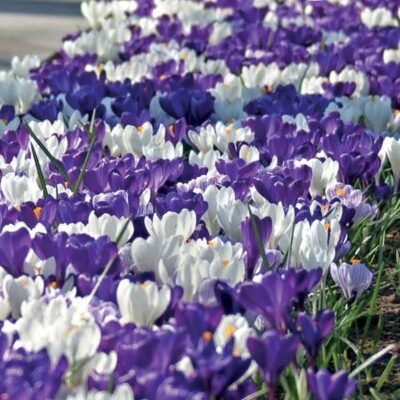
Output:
x=273 y=353
x=354 y=279
x=313 y=331
x=326 y=386
x=271 y=298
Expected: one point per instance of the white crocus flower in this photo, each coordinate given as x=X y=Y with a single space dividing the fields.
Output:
x=33 y=265
x=105 y=225
x=172 y=224
x=19 y=189
x=378 y=17
x=377 y=112
x=212 y=195
x=205 y=139
x=160 y=256
x=249 y=153
x=95 y=12
x=22 y=67
x=60 y=325
x=18 y=92
x=391 y=148
x=282 y=221
x=236 y=327
x=318 y=244
x=391 y=55
x=207 y=158
x=231 y=133
x=45 y=129
x=158 y=148
x=324 y=174
x=349 y=74
x=230 y=214
x=210 y=260
x=18 y=290
x=121 y=392
x=142 y=303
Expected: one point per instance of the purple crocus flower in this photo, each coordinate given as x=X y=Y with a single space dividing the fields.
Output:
x=193 y=105
x=313 y=330
x=273 y=353
x=30 y=375
x=354 y=279
x=248 y=235
x=90 y=256
x=326 y=386
x=286 y=185
x=14 y=247
x=271 y=298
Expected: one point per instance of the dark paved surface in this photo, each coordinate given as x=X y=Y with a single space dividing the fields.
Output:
x=36 y=26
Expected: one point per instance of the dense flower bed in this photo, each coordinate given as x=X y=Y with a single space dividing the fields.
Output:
x=180 y=185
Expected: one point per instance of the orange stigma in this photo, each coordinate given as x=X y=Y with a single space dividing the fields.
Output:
x=229 y=330
x=340 y=192
x=37 y=211
x=53 y=284
x=327 y=225
x=207 y=336
x=355 y=261
x=225 y=263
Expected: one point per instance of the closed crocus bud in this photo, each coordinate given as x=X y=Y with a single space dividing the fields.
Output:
x=18 y=290
x=377 y=112
x=354 y=279
x=324 y=174
x=172 y=224
x=142 y=303
x=392 y=150
x=325 y=386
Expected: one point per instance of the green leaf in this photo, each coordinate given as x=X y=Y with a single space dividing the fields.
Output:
x=53 y=160
x=260 y=245
x=84 y=166
x=110 y=262
x=40 y=173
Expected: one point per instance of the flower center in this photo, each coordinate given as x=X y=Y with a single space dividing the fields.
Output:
x=207 y=336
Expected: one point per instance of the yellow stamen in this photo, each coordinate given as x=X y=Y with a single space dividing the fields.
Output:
x=235 y=353
x=171 y=129
x=340 y=192
x=327 y=225
x=144 y=285
x=397 y=112
x=99 y=69
x=23 y=280
x=66 y=184
x=17 y=207
x=211 y=244
x=183 y=56
x=225 y=263
x=230 y=330
x=140 y=129
x=37 y=211
x=207 y=336
x=53 y=284
x=268 y=89
x=246 y=152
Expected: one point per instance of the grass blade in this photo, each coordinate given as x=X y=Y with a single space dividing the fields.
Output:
x=260 y=245
x=371 y=360
x=53 y=160
x=84 y=166
x=40 y=173
x=110 y=262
